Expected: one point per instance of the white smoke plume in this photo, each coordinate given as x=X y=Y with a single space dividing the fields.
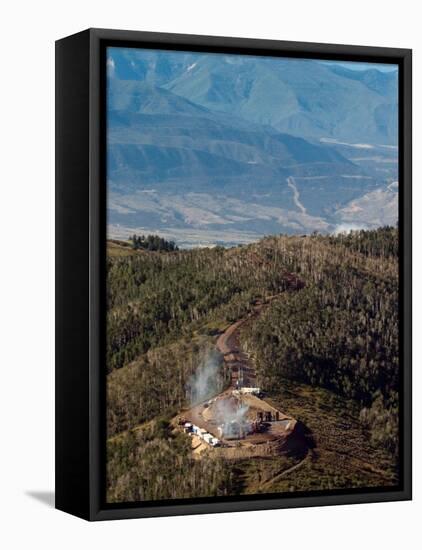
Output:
x=230 y=410
x=207 y=380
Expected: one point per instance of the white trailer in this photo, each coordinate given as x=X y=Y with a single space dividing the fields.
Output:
x=202 y=433
x=250 y=391
x=208 y=438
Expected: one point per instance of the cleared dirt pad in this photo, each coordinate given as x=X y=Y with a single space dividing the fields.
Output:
x=245 y=424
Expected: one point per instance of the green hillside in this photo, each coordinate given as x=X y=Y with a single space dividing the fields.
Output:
x=326 y=348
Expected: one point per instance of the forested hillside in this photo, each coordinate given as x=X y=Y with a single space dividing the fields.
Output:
x=156 y=298
x=156 y=464
x=340 y=332
x=332 y=324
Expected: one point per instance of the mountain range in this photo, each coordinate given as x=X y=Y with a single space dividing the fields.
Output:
x=222 y=149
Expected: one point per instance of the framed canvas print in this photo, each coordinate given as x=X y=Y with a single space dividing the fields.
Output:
x=233 y=274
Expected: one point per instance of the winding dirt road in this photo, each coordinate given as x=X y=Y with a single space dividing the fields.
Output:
x=228 y=343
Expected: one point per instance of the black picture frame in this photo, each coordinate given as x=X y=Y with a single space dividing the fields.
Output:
x=80 y=270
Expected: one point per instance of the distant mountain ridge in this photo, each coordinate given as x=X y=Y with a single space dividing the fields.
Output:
x=183 y=126
x=302 y=97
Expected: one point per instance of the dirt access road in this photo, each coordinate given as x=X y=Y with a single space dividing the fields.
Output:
x=228 y=343
x=238 y=361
